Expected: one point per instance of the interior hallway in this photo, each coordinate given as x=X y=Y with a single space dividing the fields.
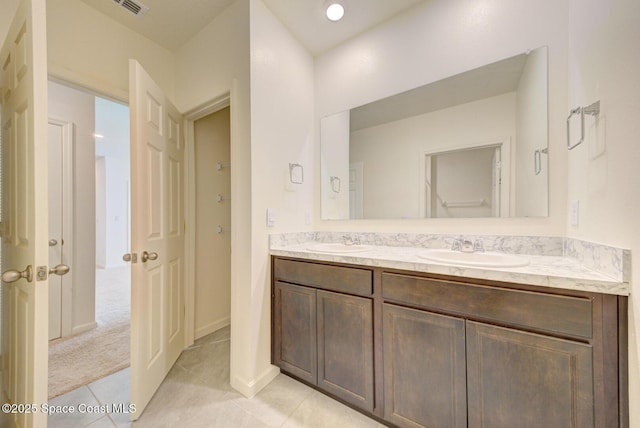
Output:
x=86 y=357
x=197 y=393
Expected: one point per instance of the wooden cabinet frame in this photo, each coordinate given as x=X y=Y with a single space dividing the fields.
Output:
x=582 y=322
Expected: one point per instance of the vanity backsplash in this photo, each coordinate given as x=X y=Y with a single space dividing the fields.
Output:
x=611 y=261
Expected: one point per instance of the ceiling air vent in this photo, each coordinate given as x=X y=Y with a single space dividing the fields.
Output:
x=132 y=6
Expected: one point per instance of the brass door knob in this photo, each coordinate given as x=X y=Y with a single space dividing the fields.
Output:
x=148 y=256
x=60 y=269
x=10 y=276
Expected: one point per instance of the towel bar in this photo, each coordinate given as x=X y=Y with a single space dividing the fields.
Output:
x=592 y=110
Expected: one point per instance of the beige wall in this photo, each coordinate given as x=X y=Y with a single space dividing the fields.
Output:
x=209 y=63
x=213 y=249
x=282 y=132
x=91 y=50
x=604 y=62
x=77 y=107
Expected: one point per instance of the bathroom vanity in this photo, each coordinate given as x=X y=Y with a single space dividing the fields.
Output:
x=416 y=348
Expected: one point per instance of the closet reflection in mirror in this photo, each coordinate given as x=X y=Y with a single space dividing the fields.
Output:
x=471 y=145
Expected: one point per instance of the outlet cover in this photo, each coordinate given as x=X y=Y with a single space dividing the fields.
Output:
x=574 y=212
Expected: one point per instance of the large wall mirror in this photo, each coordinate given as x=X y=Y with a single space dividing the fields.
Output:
x=470 y=145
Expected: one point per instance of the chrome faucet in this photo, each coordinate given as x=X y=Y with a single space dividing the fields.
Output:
x=478 y=246
x=349 y=240
x=466 y=246
x=463 y=245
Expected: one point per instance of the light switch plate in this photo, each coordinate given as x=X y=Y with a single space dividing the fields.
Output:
x=271 y=217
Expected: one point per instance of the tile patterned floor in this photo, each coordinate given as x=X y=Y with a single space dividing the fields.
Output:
x=196 y=393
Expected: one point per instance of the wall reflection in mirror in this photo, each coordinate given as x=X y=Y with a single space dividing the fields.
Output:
x=470 y=145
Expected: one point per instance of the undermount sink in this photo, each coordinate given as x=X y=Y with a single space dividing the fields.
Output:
x=477 y=259
x=332 y=247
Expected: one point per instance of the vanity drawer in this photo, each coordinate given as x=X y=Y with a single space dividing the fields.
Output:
x=335 y=278
x=565 y=315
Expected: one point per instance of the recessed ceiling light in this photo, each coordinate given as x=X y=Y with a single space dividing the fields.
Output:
x=335 y=11
x=98 y=136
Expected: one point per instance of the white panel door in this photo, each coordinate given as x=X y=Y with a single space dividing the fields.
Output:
x=157 y=201
x=23 y=95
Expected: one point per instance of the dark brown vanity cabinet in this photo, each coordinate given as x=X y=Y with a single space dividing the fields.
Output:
x=516 y=378
x=458 y=354
x=450 y=352
x=441 y=371
x=424 y=368
x=325 y=337
x=294 y=318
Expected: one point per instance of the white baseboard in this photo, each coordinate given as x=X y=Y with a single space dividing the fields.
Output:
x=250 y=388
x=83 y=327
x=211 y=327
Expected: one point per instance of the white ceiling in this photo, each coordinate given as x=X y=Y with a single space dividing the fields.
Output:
x=171 y=23
x=307 y=21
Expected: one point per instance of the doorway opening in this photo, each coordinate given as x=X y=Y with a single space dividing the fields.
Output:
x=212 y=164
x=470 y=181
x=113 y=213
x=89 y=216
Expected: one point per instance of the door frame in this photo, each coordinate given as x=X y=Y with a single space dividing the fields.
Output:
x=68 y=220
x=190 y=117
x=357 y=211
x=506 y=166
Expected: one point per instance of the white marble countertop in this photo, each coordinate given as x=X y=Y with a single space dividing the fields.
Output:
x=548 y=271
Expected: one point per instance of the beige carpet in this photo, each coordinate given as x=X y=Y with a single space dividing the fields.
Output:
x=92 y=355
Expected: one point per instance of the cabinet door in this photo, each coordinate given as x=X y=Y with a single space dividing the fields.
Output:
x=520 y=379
x=424 y=368
x=345 y=347
x=295 y=330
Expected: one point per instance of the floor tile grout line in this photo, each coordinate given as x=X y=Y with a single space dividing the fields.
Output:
x=94 y=394
x=296 y=408
x=233 y=403
x=101 y=403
